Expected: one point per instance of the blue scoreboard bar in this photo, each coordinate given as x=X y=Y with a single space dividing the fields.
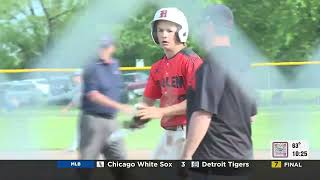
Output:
x=76 y=164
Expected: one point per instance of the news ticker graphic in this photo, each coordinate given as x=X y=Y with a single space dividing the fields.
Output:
x=223 y=164
x=258 y=169
x=292 y=149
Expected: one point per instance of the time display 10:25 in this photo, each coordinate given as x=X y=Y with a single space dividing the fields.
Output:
x=300 y=153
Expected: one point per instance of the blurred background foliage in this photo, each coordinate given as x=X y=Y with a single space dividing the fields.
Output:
x=285 y=30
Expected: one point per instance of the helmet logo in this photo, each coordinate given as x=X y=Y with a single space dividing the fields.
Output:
x=163 y=13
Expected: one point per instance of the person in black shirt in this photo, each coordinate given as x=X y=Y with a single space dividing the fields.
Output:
x=219 y=108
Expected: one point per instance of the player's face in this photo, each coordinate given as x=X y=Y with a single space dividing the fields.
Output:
x=166 y=33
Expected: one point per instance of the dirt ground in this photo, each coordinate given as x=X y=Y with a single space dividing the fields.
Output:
x=137 y=154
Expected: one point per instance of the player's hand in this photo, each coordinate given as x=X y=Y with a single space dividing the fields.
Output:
x=127 y=109
x=184 y=157
x=150 y=113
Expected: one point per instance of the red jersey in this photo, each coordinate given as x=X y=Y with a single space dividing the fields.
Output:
x=169 y=81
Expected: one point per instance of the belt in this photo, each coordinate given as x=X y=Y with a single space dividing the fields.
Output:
x=102 y=115
x=174 y=128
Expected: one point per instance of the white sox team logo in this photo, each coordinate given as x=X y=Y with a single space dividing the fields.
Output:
x=163 y=13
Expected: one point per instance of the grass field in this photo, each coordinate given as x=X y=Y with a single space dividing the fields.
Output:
x=48 y=128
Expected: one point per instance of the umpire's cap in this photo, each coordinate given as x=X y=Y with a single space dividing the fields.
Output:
x=219 y=14
x=106 y=41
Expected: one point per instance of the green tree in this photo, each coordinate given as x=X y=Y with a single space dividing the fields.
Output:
x=286 y=30
x=29 y=27
x=135 y=40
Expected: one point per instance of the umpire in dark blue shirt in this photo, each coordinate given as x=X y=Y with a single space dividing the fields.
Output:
x=100 y=102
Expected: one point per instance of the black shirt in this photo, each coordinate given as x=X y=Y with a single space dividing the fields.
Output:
x=218 y=92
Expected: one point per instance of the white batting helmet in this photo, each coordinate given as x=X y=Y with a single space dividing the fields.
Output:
x=173 y=15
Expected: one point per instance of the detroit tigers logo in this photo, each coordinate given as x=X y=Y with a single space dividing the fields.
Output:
x=163 y=13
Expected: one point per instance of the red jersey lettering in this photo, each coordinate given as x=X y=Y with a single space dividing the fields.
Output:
x=169 y=81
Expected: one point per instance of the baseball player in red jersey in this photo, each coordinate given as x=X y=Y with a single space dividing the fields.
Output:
x=169 y=80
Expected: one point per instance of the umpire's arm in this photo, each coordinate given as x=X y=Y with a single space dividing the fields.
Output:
x=199 y=124
x=91 y=91
x=97 y=97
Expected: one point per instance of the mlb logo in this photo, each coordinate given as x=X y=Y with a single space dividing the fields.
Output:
x=100 y=164
x=279 y=149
